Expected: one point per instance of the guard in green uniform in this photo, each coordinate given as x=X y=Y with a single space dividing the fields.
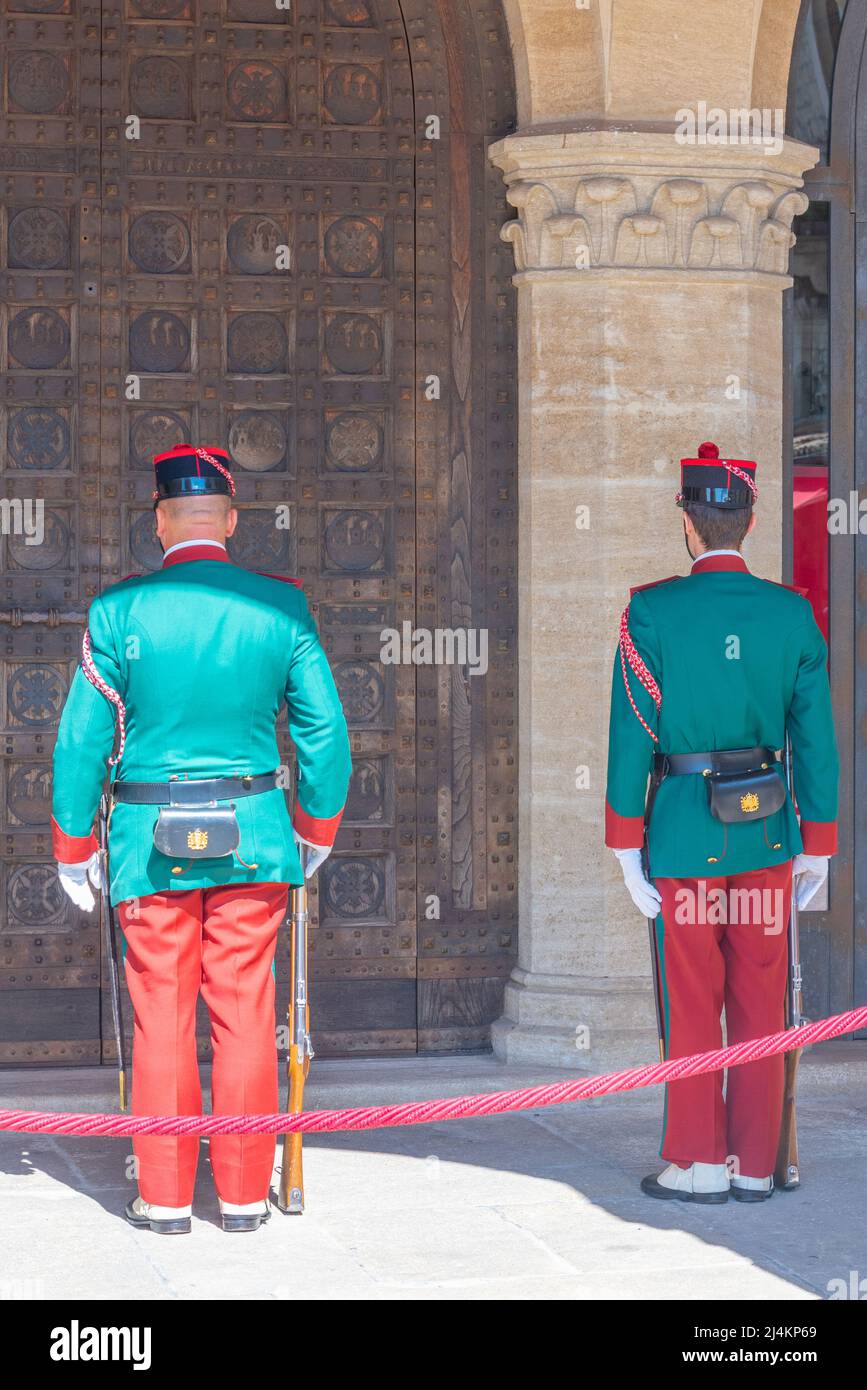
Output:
x=712 y=672
x=190 y=667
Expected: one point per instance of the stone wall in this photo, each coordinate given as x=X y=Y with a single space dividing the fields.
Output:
x=650 y=276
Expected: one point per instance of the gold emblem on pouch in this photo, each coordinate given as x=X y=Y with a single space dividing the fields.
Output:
x=749 y=802
x=198 y=839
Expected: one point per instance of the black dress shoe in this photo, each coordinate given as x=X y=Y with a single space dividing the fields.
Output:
x=246 y=1223
x=751 y=1194
x=651 y=1187
x=176 y=1226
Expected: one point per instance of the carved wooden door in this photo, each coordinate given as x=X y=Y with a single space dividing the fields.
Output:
x=223 y=224
x=49 y=427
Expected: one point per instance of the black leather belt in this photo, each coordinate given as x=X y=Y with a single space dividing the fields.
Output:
x=720 y=760
x=183 y=792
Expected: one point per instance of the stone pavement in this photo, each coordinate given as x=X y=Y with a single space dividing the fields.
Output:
x=541 y=1205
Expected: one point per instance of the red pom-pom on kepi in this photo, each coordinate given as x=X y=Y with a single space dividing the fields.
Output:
x=708 y=451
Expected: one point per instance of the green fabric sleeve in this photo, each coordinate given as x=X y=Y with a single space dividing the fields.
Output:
x=810 y=725
x=630 y=746
x=318 y=729
x=86 y=735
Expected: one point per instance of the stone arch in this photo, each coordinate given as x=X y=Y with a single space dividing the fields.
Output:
x=773 y=53
x=642 y=61
x=559 y=56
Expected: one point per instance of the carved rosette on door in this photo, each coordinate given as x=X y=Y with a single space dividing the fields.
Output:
x=224 y=223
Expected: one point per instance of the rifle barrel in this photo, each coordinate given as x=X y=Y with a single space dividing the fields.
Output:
x=106 y=912
x=795 y=992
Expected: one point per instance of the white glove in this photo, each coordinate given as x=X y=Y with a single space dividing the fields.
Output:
x=74 y=881
x=316 y=854
x=643 y=893
x=809 y=872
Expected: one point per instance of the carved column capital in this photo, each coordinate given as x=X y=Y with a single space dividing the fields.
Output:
x=639 y=201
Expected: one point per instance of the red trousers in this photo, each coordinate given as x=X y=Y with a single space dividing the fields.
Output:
x=722 y=942
x=220 y=941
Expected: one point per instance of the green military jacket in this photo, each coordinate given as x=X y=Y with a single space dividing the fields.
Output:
x=204 y=655
x=738 y=662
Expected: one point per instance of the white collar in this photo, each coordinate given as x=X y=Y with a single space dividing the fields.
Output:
x=706 y=554
x=183 y=545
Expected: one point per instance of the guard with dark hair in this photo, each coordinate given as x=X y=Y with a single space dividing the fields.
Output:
x=713 y=671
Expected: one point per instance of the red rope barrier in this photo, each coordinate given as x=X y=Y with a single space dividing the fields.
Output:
x=429 y=1112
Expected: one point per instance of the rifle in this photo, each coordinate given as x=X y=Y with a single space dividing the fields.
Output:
x=107 y=923
x=787 y=1173
x=290 y=1198
x=653 y=788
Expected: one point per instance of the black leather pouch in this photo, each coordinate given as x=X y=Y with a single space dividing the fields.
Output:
x=197 y=832
x=735 y=797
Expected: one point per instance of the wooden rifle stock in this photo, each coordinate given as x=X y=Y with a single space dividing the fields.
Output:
x=291 y=1192
x=787 y=1173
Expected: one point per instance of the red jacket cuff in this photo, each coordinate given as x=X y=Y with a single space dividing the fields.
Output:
x=71 y=849
x=819 y=836
x=317 y=829
x=623 y=832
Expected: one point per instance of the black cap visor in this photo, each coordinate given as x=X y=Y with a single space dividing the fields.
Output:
x=730 y=498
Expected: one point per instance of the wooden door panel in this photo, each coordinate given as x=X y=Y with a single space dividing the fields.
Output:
x=49 y=428
x=278 y=261
x=466 y=802
x=259 y=260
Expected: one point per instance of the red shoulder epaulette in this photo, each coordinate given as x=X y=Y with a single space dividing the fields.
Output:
x=637 y=588
x=284 y=578
x=795 y=588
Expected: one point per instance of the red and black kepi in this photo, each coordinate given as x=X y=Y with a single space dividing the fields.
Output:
x=188 y=470
x=716 y=482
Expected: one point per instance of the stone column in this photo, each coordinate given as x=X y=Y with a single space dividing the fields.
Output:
x=650 y=278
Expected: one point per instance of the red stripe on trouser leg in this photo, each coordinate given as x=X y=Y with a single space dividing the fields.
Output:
x=694 y=984
x=219 y=940
x=741 y=964
x=163 y=965
x=756 y=976
x=239 y=938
